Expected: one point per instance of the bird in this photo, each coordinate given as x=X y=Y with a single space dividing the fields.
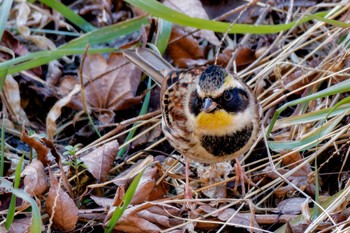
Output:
x=209 y=115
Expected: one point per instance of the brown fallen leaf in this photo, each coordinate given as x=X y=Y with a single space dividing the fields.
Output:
x=302 y=178
x=66 y=83
x=102 y=201
x=301 y=182
x=210 y=175
x=40 y=149
x=185 y=50
x=12 y=100
x=35 y=179
x=146 y=217
x=236 y=218
x=233 y=217
x=54 y=73
x=295 y=76
x=148 y=137
x=100 y=160
x=291 y=205
x=22 y=17
x=293 y=160
x=147 y=189
x=110 y=84
x=61 y=207
x=244 y=56
x=18 y=226
x=9 y=41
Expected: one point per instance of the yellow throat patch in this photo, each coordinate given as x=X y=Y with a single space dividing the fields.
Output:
x=214 y=121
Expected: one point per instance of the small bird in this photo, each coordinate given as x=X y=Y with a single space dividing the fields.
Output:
x=208 y=114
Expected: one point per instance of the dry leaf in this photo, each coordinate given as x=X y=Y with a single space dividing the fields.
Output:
x=295 y=76
x=300 y=178
x=22 y=19
x=146 y=218
x=54 y=73
x=62 y=206
x=102 y=201
x=234 y=217
x=12 y=99
x=291 y=205
x=193 y=8
x=18 y=226
x=66 y=84
x=244 y=56
x=55 y=112
x=293 y=160
x=100 y=160
x=40 y=149
x=110 y=84
x=9 y=41
x=35 y=180
x=131 y=172
x=185 y=50
x=145 y=186
x=213 y=174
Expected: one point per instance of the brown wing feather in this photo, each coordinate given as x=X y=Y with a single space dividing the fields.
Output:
x=175 y=95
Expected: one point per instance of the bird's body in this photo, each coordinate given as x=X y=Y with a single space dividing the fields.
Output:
x=208 y=114
x=207 y=137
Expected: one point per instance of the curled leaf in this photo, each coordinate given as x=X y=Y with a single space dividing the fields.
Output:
x=40 y=149
x=35 y=180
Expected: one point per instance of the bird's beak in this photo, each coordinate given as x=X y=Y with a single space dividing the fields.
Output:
x=209 y=105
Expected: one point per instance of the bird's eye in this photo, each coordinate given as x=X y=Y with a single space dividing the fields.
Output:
x=227 y=95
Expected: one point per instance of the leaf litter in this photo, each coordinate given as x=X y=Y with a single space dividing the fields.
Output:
x=79 y=187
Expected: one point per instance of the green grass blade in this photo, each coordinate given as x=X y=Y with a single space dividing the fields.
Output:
x=36 y=216
x=338 y=88
x=49 y=31
x=5 y=7
x=163 y=35
x=333 y=22
x=311 y=116
x=310 y=140
x=126 y=201
x=108 y=33
x=317 y=210
x=3 y=74
x=70 y=15
x=2 y=159
x=11 y=211
x=338 y=105
x=157 y=9
x=39 y=58
x=76 y=46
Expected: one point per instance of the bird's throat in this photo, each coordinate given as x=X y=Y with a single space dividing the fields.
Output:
x=212 y=122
